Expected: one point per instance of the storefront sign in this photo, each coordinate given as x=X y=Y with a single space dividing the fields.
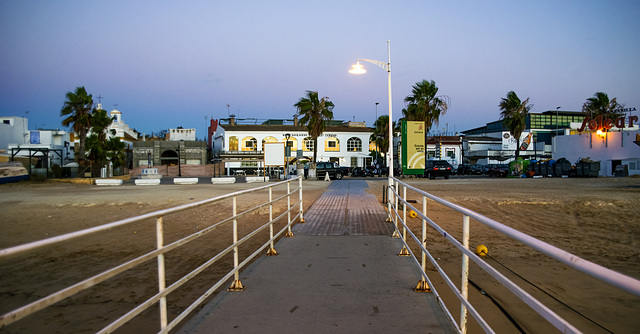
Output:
x=602 y=123
x=413 y=147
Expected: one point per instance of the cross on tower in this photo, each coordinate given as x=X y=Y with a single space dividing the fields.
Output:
x=99 y=98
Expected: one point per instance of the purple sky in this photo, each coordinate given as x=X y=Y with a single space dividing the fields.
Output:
x=171 y=63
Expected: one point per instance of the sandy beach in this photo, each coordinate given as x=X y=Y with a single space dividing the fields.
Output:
x=596 y=219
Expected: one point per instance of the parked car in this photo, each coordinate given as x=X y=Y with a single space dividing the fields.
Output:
x=463 y=169
x=435 y=168
x=322 y=168
x=476 y=169
x=501 y=170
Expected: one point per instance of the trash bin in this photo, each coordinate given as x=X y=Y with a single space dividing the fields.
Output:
x=622 y=171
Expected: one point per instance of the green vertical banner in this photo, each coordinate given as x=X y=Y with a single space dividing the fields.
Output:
x=413 y=148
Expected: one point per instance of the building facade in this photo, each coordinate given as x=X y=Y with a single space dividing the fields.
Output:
x=242 y=145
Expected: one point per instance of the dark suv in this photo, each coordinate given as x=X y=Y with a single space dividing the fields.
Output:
x=435 y=168
x=322 y=168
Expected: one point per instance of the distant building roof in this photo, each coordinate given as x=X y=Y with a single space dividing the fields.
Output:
x=292 y=128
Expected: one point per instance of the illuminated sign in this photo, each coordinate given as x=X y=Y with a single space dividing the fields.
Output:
x=602 y=123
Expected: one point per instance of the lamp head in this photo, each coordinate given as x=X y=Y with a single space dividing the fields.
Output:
x=357 y=68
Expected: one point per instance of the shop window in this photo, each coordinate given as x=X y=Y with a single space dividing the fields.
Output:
x=354 y=144
x=233 y=143
x=308 y=144
x=332 y=144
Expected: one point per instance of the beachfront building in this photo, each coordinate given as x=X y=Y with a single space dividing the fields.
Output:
x=617 y=148
x=492 y=143
x=556 y=134
x=40 y=148
x=241 y=142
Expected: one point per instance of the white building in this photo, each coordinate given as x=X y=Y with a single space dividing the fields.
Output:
x=182 y=134
x=612 y=148
x=346 y=143
x=13 y=130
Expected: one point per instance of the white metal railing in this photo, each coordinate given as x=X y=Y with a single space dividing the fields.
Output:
x=162 y=249
x=399 y=219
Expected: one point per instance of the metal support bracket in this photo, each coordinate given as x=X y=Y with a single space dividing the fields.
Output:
x=422 y=287
x=272 y=252
x=404 y=252
x=289 y=234
x=236 y=286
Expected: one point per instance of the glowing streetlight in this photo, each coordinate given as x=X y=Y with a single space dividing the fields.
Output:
x=357 y=68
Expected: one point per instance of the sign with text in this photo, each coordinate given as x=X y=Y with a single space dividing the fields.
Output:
x=413 y=147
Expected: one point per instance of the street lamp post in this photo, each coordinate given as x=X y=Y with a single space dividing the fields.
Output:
x=179 y=171
x=358 y=69
x=287 y=153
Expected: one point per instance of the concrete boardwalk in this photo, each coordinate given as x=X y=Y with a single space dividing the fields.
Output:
x=339 y=274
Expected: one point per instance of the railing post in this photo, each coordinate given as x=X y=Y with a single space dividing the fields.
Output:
x=423 y=286
x=236 y=285
x=464 y=286
x=389 y=183
x=289 y=234
x=161 y=272
x=301 y=220
x=272 y=251
x=404 y=251
x=395 y=211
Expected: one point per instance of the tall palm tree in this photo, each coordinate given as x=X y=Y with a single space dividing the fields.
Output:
x=77 y=110
x=424 y=105
x=315 y=113
x=514 y=116
x=600 y=104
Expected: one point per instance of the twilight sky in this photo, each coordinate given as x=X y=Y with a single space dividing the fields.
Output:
x=172 y=63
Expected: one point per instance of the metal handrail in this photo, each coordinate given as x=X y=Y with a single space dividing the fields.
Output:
x=616 y=279
x=158 y=253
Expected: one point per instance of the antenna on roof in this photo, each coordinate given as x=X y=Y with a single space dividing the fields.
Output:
x=228 y=109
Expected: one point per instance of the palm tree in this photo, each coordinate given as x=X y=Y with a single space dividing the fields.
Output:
x=77 y=110
x=315 y=113
x=380 y=135
x=424 y=105
x=514 y=116
x=97 y=142
x=600 y=104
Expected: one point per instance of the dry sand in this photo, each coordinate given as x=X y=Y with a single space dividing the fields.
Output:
x=596 y=219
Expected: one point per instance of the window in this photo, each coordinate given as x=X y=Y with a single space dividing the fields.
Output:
x=268 y=140
x=233 y=143
x=450 y=153
x=293 y=143
x=354 y=162
x=354 y=144
x=332 y=144
x=308 y=144
x=249 y=144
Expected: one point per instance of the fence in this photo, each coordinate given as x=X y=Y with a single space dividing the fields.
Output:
x=399 y=218
x=160 y=298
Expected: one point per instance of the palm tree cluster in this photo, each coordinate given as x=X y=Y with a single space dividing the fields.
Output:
x=91 y=127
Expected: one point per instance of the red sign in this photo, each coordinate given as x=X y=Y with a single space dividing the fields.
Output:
x=601 y=123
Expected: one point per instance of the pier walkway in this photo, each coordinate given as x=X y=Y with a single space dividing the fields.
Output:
x=339 y=274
